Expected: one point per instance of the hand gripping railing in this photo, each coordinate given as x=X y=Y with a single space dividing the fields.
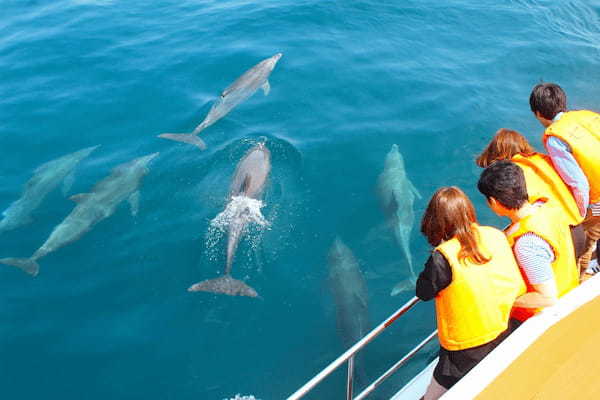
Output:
x=349 y=356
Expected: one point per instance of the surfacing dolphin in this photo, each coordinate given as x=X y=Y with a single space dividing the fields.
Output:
x=123 y=183
x=247 y=185
x=46 y=177
x=397 y=195
x=244 y=87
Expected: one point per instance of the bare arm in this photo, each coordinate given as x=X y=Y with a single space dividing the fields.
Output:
x=545 y=295
x=534 y=256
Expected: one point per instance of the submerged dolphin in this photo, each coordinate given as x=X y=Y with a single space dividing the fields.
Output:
x=350 y=293
x=248 y=183
x=46 y=177
x=91 y=208
x=397 y=195
x=244 y=87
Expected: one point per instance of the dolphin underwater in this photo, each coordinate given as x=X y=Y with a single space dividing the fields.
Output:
x=397 y=195
x=243 y=87
x=46 y=177
x=100 y=203
x=248 y=183
x=349 y=290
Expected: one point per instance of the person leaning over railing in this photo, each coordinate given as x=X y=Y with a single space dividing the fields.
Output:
x=541 y=179
x=572 y=139
x=473 y=276
x=543 y=248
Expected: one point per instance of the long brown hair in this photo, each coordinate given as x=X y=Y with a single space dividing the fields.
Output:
x=451 y=214
x=505 y=144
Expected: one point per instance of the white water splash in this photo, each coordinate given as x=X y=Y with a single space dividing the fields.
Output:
x=238 y=397
x=240 y=210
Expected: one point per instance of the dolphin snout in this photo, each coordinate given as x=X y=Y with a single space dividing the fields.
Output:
x=277 y=56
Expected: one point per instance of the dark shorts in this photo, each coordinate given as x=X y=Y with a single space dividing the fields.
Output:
x=453 y=365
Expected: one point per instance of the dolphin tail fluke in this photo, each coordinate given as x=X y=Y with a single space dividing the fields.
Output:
x=224 y=285
x=26 y=264
x=185 y=138
x=403 y=286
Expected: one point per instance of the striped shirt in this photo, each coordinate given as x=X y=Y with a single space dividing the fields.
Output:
x=567 y=167
x=534 y=256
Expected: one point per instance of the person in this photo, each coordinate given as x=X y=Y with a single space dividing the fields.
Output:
x=541 y=179
x=474 y=279
x=572 y=139
x=542 y=247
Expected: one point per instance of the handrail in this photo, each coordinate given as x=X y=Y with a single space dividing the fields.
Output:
x=349 y=356
x=395 y=367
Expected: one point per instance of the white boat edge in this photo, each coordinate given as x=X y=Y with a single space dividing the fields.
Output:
x=498 y=360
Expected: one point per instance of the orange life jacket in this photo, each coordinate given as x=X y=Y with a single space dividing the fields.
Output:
x=474 y=309
x=581 y=131
x=543 y=181
x=543 y=223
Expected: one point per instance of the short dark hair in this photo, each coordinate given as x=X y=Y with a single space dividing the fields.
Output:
x=548 y=99
x=504 y=181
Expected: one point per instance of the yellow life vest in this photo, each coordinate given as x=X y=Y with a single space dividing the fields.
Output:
x=543 y=223
x=581 y=131
x=474 y=309
x=543 y=181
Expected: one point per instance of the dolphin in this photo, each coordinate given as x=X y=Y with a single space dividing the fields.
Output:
x=248 y=182
x=350 y=293
x=46 y=177
x=243 y=87
x=397 y=195
x=100 y=203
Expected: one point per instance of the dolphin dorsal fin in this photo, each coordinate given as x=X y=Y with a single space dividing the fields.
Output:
x=393 y=204
x=246 y=184
x=78 y=198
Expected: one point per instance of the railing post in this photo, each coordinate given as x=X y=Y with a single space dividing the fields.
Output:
x=349 y=383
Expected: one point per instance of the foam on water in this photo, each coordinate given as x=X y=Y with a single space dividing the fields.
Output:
x=240 y=210
x=238 y=397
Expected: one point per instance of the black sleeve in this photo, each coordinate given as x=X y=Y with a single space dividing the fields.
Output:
x=435 y=277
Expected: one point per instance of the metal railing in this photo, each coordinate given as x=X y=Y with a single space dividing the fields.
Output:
x=349 y=357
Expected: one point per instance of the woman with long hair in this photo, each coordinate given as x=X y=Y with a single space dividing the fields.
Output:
x=543 y=183
x=474 y=278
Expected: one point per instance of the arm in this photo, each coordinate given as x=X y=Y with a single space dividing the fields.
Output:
x=435 y=277
x=545 y=295
x=534 y=256
x=570 y=171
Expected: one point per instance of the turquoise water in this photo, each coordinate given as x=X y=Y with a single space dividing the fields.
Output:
x=109 y=315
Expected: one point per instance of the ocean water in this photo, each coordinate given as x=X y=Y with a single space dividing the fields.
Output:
x=109 y=315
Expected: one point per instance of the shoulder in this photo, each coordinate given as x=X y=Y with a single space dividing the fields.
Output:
x=438 y=259
x=530 y=245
